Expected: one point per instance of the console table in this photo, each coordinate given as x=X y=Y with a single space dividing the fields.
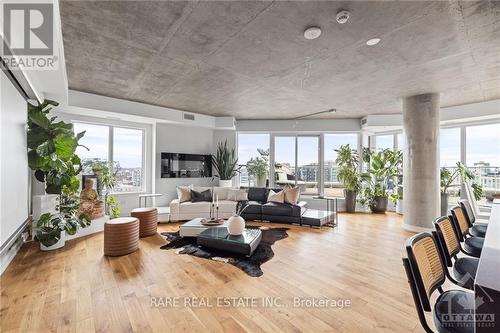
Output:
x=487 y=283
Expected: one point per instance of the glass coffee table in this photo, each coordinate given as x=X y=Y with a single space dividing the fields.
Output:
x=194 y=227
x=219 y=238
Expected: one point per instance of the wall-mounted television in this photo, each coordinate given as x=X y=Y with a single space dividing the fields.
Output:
x=176 y=165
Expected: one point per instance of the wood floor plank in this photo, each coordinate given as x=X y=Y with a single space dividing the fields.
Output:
x=77 y=289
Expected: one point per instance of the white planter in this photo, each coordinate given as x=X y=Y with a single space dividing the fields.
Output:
x=226 y=183
x=261 y=181
x=235 y=225
x=58 y=245
x=95 y=226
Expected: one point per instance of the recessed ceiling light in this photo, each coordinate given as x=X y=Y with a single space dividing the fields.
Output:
x=373 y=41
x=312 y=32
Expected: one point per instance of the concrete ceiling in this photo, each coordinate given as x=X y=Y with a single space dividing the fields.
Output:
x=250 y=59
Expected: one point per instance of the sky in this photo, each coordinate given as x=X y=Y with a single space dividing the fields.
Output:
x=127 y=148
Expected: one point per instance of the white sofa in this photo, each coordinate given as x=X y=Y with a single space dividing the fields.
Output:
x=189 y=210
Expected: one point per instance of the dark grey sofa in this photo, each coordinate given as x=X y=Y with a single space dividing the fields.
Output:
x=259 y=209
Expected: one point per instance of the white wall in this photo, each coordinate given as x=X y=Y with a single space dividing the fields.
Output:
x=180 y=139
x=14 y=185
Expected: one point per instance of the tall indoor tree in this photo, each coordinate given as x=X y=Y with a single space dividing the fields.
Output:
x=51 y=149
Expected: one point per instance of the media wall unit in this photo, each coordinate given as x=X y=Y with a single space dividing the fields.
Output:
x=176 y=165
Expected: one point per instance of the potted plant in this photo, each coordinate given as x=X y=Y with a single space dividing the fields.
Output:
x=348 y=162
x=106 y=181
x=447 y=180
x=259 y=167
x=52 y=228
x=383 y=167
x=51 y=149
x=226 y=164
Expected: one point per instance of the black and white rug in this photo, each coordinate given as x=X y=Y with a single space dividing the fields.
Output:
x=250 y=265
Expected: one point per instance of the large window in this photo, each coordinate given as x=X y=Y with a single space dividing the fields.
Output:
x=121 y=148
x=96 y=139
x=384 y=141
x=483 y=155
x=332 y=186
x=449 y=141
x=284 y=160
x=255 y=148
x=308 y=164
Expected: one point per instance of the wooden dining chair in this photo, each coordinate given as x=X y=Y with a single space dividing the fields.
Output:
x=471 y=245
x=477 y=229
x=464 y=268
x=426 y=273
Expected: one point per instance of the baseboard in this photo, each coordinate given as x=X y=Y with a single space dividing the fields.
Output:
x=7 y=256
x=413 y=228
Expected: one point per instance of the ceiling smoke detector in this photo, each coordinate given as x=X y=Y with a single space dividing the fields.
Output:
x=312 y=32
x=343 y=16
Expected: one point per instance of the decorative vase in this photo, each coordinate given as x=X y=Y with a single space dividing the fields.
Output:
x=226 y=183
x=235 y=225
x=60 y=243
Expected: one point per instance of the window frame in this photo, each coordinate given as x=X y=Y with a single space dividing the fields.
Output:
x=111 y=128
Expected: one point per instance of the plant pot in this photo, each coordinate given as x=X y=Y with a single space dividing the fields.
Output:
x=235 y=225
x=226 y=183
x=399 y=207
x=380 y=205
x=261 y=181
x=350 y=201
x=60 y=243
x=445 y=197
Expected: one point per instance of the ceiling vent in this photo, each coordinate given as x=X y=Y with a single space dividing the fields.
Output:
x=343 y=16
x=188 y=116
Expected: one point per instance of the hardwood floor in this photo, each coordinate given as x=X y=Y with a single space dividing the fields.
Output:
x=77 y=289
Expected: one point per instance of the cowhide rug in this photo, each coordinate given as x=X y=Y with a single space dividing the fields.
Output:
x=250 y=265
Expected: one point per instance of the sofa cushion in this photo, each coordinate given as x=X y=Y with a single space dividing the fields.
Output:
x=237 y=195
x=184 y=193
x=201 y=196
x=227 y=206
x=258 y=194
x=274 y=208
x=292 y=195
x=278 y=197
x=253 y=207
x=202 y=207
x=221 y=192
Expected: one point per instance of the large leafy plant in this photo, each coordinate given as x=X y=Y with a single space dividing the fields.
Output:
x=51 y=149
x=448 y=178
x=383 y=167
x=259 y=166
x=348 y=162
x=50 y=226
x=225 y=162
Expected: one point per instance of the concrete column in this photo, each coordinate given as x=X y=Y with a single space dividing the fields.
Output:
x=421 y=161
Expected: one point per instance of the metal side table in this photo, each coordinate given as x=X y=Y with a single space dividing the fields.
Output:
x=332 y=205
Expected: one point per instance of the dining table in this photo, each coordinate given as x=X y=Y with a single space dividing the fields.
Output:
x=487 y=282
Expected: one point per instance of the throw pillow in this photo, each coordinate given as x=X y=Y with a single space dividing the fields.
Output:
x=237 y=195
x=184 y=193
x=292 y=195
x=276 y=197
x=201 y=196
